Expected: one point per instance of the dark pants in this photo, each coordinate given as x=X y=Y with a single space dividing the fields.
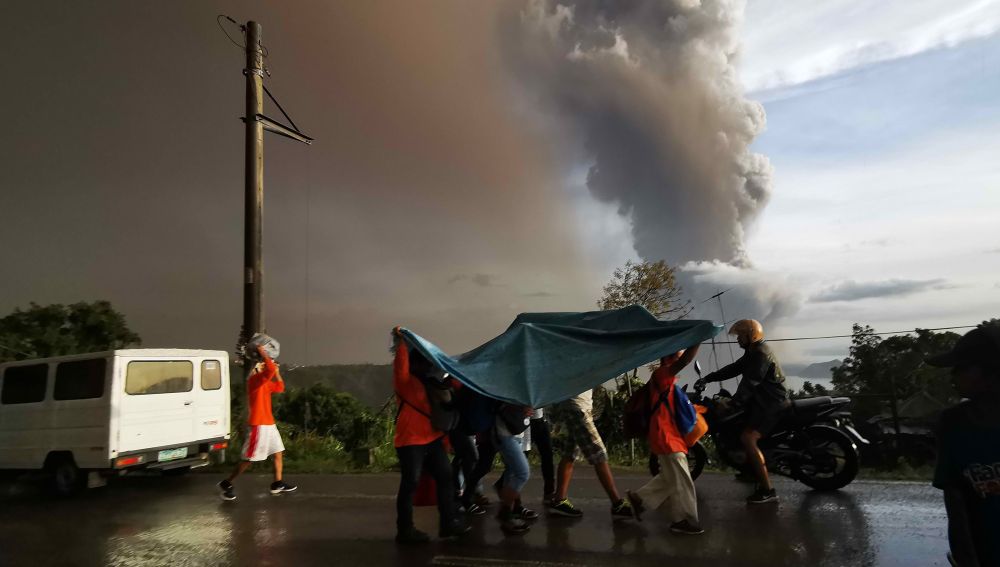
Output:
x=466 y=457
x=487 y=454
x=412 y=461
x=542 y=438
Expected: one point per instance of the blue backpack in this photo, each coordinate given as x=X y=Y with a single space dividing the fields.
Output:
x=685 y=416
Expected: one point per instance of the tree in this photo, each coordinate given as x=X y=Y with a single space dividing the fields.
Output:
x=877 y=369
x=325 y=411
x=652 y=285
x=810 y=390
x=54 y=330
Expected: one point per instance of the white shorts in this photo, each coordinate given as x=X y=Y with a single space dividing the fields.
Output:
x=262 y=441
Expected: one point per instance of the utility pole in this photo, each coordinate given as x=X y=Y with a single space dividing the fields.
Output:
x=253 y=269
x=253 y=198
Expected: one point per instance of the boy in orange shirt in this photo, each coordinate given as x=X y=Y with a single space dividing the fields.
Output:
x=673 y=484
x=263 y=439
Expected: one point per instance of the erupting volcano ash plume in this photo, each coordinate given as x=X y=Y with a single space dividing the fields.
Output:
x=651 y=91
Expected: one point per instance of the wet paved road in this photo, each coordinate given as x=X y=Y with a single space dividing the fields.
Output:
x=349 y=520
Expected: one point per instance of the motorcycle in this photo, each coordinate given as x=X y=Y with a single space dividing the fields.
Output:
x=814 y=442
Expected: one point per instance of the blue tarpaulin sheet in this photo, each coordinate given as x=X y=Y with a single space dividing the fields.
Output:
x=544 y=358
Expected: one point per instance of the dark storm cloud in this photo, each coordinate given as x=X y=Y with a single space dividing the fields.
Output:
x=855 y=291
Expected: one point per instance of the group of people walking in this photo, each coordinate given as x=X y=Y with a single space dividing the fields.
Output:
x=423 y=448
x=968 y=468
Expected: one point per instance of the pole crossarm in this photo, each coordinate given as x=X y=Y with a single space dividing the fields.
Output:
x=272 y=125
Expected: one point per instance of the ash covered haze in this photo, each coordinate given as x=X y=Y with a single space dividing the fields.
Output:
x=437 y=196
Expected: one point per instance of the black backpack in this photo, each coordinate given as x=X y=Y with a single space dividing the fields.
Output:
x=444 y=409
x=513 y=418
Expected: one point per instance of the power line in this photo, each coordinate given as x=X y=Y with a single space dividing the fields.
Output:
x=218 y=20
x=851 y=335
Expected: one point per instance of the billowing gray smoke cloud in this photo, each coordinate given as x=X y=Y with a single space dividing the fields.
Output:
x=651 y=90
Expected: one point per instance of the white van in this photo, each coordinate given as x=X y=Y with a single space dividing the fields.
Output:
x=105 y=412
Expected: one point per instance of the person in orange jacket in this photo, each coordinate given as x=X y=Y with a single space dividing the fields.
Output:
x=419 y=446
x=673 y=484
x=262 y=439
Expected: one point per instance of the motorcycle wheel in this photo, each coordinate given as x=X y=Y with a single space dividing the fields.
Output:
x=829 y=459
x=697 y=458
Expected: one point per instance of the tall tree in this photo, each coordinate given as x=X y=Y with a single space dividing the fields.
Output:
x=876 y=367
x=54 y=330
x=652 y=285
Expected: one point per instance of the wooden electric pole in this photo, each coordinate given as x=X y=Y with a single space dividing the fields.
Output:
x=253 y=213
x=253 y=269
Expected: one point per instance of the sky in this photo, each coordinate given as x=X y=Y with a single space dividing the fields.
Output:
x=831 y=162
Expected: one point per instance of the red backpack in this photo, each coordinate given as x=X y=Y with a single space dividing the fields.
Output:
x=638 y=414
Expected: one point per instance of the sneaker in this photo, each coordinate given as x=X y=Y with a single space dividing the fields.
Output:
x=282 y=486
x=637 y=507
x=622 y=510
x=475 y=510
x=549 y=498
x=565 y=508
x=456 y=529
x=512 y=525
x=482 y=500
x=762 y=497
x=411 y=535
x=687 y=528
x=526 y=514
x=226 y=489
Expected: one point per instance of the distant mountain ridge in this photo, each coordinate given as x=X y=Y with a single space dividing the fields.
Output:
x=371 y=384
x=817 y=370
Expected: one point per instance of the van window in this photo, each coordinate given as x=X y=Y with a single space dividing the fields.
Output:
x=79 y=380
x=159 y=377
x=211 y=375
x=24 y=384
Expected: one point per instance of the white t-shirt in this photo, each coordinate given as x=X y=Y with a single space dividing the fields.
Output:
x=583 y=402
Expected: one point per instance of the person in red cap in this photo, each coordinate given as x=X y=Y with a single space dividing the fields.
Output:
x=968 y=467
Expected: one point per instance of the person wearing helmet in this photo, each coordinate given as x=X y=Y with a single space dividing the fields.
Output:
x=762 y=392
x=968 y=464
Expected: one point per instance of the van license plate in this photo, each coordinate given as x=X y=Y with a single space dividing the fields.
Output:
x=172 y=454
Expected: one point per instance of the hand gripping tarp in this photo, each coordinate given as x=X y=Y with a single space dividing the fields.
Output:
x=543 y=358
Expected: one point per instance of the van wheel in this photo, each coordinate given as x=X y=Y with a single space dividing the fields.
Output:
x=179 y=471
x=67 y=478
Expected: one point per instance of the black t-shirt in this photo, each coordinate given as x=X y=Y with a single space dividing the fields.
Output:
x=969 y=459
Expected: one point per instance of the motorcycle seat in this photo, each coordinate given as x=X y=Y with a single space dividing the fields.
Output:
x=811 y=403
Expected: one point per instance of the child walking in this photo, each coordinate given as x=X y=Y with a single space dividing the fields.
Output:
x=263 y=439
x=673 y=484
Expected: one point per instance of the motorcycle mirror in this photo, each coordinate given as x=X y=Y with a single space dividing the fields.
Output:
x=697 y=368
